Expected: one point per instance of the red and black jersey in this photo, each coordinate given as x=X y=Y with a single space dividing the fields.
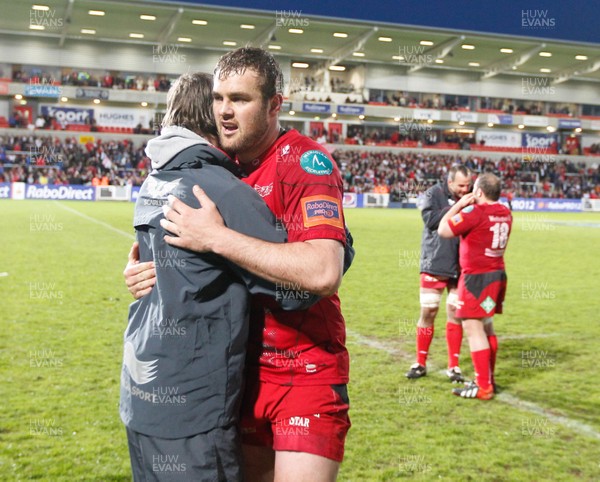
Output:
x=484 y=230
x=302 y=186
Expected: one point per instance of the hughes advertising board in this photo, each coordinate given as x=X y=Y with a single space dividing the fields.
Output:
x=498 y=138
x=123 y=117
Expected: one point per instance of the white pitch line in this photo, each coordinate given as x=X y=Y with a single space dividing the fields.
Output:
x=501 y=397
x=526 y=336
x=532 y=407
x=94 y=220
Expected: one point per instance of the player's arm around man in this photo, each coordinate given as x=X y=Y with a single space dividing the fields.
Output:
x=314 y=265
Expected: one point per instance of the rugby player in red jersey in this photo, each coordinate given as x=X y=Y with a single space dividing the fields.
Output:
x=484 y=226
x=295 y=412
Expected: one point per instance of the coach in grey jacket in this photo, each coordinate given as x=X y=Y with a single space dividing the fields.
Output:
x=185 y=344
x=438 y=256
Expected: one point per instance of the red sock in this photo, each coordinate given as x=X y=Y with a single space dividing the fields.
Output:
x=454 y=336
x=493 y=341
x=481 y=362
x=424 y=337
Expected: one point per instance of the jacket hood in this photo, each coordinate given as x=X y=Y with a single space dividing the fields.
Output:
x=171 y=141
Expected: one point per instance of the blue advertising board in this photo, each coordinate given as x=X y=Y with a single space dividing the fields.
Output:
x=43 y=90
x=69 y=115
x=60 y=192
x=350 y=109
x=5 y=190
x=316 y=108
x=544 y=204
x=539 y=140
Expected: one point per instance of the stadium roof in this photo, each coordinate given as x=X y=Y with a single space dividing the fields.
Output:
x=318 y=39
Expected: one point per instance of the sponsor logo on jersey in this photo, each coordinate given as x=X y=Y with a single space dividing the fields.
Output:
x=285 y=150
x=467 y=210
x=317 y=163
x=141 y=372
x=299 y=421
x=488 y=304
x=263 y=191
x=456 y=219
x=318 y=210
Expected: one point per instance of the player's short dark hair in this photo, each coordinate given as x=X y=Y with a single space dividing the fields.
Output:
x=464 y=170
x=189 y=104
x=262 y=62
x=490 y=184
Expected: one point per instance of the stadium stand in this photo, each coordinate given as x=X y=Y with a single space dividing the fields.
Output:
x=51 y=160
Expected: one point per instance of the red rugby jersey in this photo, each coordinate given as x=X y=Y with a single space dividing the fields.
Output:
x=302 y=186
x=484 y=231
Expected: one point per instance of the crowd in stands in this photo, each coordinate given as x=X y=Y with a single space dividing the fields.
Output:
x=455 y=102
x=411 y=99
x=595 y=149
x=311 y=84
x=109 y=80
x=408 y=174
x=416 y=133
x=307 y=84
x=48 y=160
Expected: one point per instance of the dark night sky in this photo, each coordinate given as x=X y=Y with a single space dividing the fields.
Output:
x=573 y=20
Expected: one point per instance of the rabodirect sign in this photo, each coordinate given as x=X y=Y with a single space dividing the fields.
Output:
x=60 y=192
x=545 y=204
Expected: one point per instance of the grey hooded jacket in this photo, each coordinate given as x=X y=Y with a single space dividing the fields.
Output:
x=439 y=256
x=185 y=343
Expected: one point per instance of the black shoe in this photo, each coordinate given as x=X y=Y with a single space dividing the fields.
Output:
x=472 y=390
x=416 y=371
x=455 y=375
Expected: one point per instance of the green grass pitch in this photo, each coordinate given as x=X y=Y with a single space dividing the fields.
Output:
x=64 y=309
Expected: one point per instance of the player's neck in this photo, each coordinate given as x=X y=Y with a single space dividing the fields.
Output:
x=262 y=145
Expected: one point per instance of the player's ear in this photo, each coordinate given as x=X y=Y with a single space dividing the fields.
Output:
x=275 y=104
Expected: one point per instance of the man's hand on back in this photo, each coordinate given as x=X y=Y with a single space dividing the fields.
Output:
x=194 y=229
x=139 y=277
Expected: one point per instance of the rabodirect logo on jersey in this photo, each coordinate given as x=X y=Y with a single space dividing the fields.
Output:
x=317 y=163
